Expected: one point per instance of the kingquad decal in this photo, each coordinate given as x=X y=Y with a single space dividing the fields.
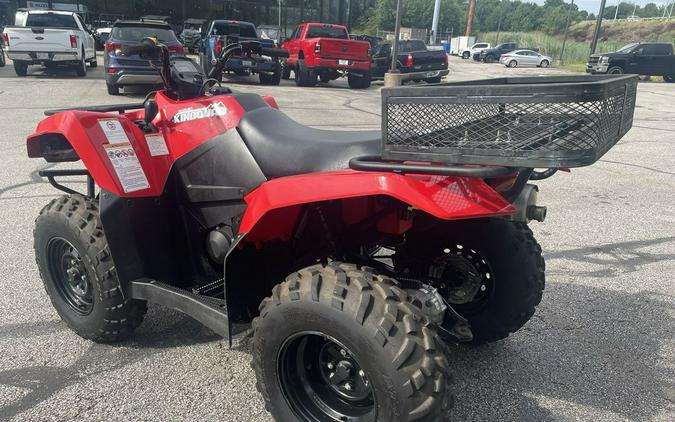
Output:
x=188 y=114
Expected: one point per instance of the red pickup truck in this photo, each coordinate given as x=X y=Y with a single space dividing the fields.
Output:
x=324 y=51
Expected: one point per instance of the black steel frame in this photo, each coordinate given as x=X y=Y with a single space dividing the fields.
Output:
x=51 y=175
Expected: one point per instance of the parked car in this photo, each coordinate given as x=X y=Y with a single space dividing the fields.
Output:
x=49 y=38
x=415 y=61
x=492 y=55
x=326 y=52
x=124 y=70
x=653 y=59
x=101 y=37
x=222 y=33
x=191 y=35
x=524 y=58
x=474 y=49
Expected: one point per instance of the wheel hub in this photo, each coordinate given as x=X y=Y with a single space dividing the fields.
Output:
x=465 y=275
x=69 y=273
x=322 y=380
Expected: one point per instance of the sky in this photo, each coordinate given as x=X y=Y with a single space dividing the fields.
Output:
x=593 y=6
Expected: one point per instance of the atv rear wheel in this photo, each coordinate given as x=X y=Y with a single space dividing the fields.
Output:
x=490 y=270
x=78 y=273
x=339 y=343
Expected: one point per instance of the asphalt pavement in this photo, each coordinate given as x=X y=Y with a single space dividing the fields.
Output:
x=601 y=346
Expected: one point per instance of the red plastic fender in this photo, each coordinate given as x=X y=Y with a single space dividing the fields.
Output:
x=444 y=197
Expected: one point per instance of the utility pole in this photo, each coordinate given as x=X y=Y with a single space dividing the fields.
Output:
x=616 y=11
x=469 y=18
x=598 y=24
x=634 y=9
x=567 y=27
x=499 y=23
x=397 y=33
x=434 y=22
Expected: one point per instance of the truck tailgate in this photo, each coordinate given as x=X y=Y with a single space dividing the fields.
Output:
x=39 y=39
x=332 y=48
x=431 y=57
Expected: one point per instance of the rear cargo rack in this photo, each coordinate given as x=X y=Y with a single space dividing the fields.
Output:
x=558 y=121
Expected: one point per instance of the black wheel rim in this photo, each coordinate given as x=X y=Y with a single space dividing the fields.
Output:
x=463 y=277
x=69 y=275
x=322 y=380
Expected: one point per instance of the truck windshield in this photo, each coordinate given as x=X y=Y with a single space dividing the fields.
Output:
x=627 y=48
x=316 y=31
x=51 y=20
x=413 y=45
x=231 y=28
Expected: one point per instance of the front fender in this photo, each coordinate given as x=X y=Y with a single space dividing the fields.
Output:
x=444 y=197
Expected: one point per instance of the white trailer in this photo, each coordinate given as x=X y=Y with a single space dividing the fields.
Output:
x=459 y=44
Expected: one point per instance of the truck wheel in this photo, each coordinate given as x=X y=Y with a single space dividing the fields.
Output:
x=93 y=63
x=341 y=343
x=669 y=78
x=285 y=70
x=113 y=89
x=3 y=61
x=436 y=80
x=489 y=59
x=21 y=68
x=304 y=76
x=81 y=67
x=490 y=270
x=78 y=272
x=270 y=78
x=359 y=81
x=325 y=78
x=615 y=70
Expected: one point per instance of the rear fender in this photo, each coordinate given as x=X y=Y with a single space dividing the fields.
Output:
x=446 y=198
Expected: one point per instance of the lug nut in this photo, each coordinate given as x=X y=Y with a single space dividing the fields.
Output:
x=348 y=387
x=343 y=352
x=330 y=365
x=361 y=373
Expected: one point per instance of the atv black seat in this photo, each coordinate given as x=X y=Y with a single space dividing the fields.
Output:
x=284 y=147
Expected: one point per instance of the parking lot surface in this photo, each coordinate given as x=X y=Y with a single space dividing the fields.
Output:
x=601 y=346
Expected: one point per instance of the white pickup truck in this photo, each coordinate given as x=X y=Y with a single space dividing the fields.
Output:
x=474 y=49
x=49 y=38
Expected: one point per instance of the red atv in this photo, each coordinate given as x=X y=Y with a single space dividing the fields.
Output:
x=356 y=255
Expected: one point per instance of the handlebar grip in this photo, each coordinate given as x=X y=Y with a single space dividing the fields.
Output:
x=275 y=52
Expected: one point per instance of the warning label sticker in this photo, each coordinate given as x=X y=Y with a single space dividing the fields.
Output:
x=156 y=144
x=127 y=167
x=113 y=131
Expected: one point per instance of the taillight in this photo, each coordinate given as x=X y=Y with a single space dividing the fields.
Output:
x=73 y=41
x=112 y=70
x=113 y=48
x=317 y=47
x=218 y=47
x=445 y=59
x=409 y=61
x=5 y=39
x=176 y=49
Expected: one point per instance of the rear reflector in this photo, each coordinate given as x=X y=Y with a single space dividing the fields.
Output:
x=176 y=49
x=73 y=41
x=218 y=47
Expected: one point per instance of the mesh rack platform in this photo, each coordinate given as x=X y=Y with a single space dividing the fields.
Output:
x=558 y=121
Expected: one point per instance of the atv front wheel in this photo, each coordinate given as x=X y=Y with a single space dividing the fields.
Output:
x=78 y=273
x=489 y=270
x=339 y=343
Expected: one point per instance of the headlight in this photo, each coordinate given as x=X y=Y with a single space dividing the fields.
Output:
x=604 y=59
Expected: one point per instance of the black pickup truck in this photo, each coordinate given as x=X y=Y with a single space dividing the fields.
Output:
x=653 y=59
x=415 y=61
x=492 y=55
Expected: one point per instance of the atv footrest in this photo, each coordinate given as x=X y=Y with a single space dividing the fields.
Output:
x=208 y=310
x=371 y=163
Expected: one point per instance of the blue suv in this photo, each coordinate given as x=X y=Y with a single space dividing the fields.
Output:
x=122 y=70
